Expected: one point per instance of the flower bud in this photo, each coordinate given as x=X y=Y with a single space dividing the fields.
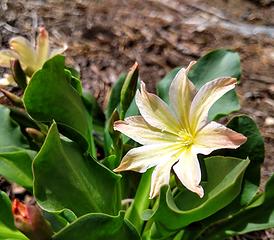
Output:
x=17 y=101
x=37 y=136
x=18 y=73
x=29 y=220
x=42 y=48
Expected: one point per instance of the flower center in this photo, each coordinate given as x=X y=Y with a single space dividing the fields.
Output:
x=186 y=138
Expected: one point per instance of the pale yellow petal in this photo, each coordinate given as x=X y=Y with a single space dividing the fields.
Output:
x=6 y=56
x=206 y=97
x=216 y=136
x=42 y=49
x=181 y=92
x=140 y=131
x=161 y=175
x=188 y=171
x=142 y=158
x=25 y=51
x=57 y=51
x=155 y=111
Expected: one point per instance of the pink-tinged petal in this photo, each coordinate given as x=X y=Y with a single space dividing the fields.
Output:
x=140 y=131
x=188 y=171
x=6 y=56
x=155 y=111
x=216 y=136
x=161 y=176
x=25 y=51
x=206 y=97
x=142 y=158
x=30 y=220
x=181 y=93
x=42 y=48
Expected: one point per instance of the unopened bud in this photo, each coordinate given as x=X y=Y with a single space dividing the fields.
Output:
x=42 y=46
x=18 y=74
x=30 y=221
x=128 y=90
x=17 y=101
x=37 y=136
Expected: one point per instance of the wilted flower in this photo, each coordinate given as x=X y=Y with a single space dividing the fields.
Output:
x=29 y=220
x=30 y=58
x=174 y=137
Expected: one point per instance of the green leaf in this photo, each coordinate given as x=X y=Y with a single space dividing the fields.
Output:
x=7 y=229
x=74 y=81
x=258 y=216
x=6 y=217
x=112 y=142
x=15 y=165
x=97 y=120
x=95 y=111
x=163 y=85
x=49 y=96
x=129 y=89
x=73 y=72
x=98 y=226
x=224 y=106
x=68 y=215
x=114 y=99
x=110 y=161
x=64 y=178
x=253 y=148
x=141 y=201
x=223 y=185
x=111 y=137
x=22 y=118
x=56 y=220
x=133 y=109
x=18 y=74
x=10 y=134
x=15 y=162
x=215 y=64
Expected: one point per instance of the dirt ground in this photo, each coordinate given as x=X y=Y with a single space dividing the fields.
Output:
x=106 y=37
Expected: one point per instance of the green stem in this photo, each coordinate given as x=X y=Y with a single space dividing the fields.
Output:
x=141 y=202
x=148 y=226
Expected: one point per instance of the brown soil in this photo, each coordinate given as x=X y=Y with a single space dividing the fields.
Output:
x=106 y=37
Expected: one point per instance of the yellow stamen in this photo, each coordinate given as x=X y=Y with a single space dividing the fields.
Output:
x=185 y=138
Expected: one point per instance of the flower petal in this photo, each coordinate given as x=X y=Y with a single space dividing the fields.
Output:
x=6 y=56
x=140 y=131
x=188 y=171
x=206 y=97
x=57 y=51
x=216 y=136
x=161 y=176
x=155 y=111
x=181 y=93
x=42 y=49
x=25 y=51
x=142 y=158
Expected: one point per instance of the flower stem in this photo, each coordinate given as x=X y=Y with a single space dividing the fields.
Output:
x=141 y=202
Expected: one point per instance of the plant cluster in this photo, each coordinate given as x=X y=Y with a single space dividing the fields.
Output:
x=146 y=167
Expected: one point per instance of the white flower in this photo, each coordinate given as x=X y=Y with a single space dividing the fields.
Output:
x=30 y=58
x=173 y=137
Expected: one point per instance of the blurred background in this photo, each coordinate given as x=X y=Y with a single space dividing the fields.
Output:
x=106 y=37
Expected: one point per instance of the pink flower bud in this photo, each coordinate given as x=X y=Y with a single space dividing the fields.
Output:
x=30 y=221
